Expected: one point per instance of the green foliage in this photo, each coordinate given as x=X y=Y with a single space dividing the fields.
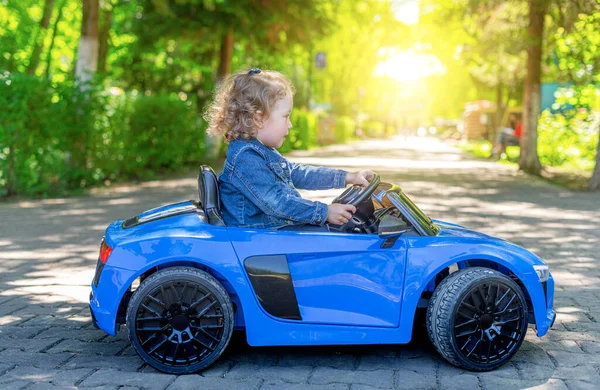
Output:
x=162 y=135
x=19 y=24
x=81 y=123
x=30 y=159
x=481 y=149
x=353 y=49
x=373 y=129
x=570 y=136
x=574 y=53
x=54 y=139
x=566 y=138
x=344 y=129
x=181 y=52
x=304 y=133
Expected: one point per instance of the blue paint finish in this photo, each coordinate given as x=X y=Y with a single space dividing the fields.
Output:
x=103 y=300
x=338 y=278
x=349 y=290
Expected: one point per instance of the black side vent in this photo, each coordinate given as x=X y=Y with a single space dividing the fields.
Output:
x=130 y=222
x=272 y=283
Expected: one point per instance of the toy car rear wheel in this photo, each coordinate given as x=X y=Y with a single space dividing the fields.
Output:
x=180 y=320
x=477 y=318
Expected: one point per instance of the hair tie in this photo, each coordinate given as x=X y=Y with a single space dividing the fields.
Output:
x=254 y=71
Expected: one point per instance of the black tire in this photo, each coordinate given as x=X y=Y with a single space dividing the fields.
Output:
x=180 y=320
x=477 y=319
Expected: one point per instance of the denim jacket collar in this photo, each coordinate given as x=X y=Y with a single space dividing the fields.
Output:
x=271 y=154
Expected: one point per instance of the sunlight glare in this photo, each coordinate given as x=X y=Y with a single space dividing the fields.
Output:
x=406 y=11
x=407 y=66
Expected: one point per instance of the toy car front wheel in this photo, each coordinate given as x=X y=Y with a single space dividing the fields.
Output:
x=180 y=320
x=477 y=318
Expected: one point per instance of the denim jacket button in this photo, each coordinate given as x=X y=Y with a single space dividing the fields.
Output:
x=282 y=165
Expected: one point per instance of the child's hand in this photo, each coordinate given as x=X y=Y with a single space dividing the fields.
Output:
x=339 y=214
x=361 y=178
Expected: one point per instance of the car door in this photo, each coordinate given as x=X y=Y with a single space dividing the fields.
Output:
x=323 y=277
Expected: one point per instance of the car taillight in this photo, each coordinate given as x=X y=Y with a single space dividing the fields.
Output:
x=105 y=252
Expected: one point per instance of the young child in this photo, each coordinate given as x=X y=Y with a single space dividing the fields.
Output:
x=258 y=186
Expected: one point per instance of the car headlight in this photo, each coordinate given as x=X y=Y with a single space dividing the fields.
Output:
x=542 y=271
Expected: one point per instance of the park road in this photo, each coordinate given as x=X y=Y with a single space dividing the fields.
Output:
x=48 y=251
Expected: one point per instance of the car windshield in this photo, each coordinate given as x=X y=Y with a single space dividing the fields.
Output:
x=412 y=213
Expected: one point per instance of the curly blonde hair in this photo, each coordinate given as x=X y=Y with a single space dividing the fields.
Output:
x=234 y=110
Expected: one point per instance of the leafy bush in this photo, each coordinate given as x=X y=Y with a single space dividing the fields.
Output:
x=30 y=157
x=81 y=124
x=344 y=129
x=568 y=140
x=57 y=138
x=481 y=149
x=374 y=129
x=162 y=135
x=304 y=133
x=570 y=135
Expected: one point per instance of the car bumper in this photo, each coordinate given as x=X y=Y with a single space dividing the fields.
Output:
x=102 y=319
x=106 y=297
x=544 y=326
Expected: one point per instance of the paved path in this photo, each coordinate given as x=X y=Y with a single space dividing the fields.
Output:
x=48 y=251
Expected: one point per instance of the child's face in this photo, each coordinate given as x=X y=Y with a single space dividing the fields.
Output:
x=274 y=129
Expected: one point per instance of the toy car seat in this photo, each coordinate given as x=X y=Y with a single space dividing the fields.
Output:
x=208 y=190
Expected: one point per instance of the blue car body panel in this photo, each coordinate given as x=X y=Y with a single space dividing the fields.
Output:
x=349 y=289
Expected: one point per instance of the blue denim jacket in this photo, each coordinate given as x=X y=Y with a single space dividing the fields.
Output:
x=258 y=188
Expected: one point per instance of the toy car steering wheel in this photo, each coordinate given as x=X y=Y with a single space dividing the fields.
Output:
x=366 y=193
x=356 y=194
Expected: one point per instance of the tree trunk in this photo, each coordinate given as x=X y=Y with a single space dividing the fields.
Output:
x=594 y=184
x=38 y=41
x=107 y=18
x=213 y=145
x=87 y=53
x=11 y=178
x=54 y=32
x=500 y=108
x=226 y=53
x=529 y=160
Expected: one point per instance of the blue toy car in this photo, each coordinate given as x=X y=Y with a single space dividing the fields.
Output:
x=182 y=281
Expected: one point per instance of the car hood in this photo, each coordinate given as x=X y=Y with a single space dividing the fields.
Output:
x=454 y=230
x=451 y=230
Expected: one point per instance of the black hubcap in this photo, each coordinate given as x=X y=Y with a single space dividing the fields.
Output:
x=489 y=323
x=179 y=324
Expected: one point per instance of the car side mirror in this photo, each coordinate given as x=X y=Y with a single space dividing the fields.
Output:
x=391 y=226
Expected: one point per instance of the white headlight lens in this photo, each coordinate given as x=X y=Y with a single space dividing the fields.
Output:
x=543 y=272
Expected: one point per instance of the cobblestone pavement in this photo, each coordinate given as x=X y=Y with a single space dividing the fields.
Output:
x=48 y=250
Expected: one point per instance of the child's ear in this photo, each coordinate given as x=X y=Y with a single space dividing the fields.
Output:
x=258 y=119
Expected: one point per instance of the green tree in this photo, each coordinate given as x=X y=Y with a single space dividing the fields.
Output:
x=575 y=58
x=483 y=38
x=17 y=25
x=59 y=16
x=39 y=37
x=87 y=52
x=362 y=32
